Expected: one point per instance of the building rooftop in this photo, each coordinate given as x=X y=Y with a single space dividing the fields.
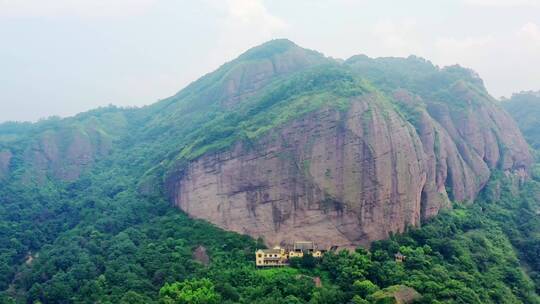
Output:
x=304 y=245
x=271 y=251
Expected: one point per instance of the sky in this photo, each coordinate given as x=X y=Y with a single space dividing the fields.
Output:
x=62 y=57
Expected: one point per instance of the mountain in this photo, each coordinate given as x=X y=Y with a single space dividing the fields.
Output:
x=286 y=144
x=346 y=153
x=525 y=109
x=280 y=144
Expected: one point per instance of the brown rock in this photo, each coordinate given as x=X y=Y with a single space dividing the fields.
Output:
x=336 y=178
x=200 y=254
x=5 y=161
x=350 y=178
x=246 y=79
x=64 y=154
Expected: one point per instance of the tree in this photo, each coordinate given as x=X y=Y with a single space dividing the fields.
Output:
x=131 y=297
x=364 y=288
x=189 y=292
x=308 y=261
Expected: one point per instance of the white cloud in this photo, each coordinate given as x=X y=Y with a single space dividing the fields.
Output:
x=397 y=37
x=72 y=8
x=507 y=61
x=245 y=23
x=531 y=33
x=461 y=47
x=252 y=12
x=503 y=3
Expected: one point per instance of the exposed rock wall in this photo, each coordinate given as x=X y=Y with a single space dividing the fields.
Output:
x=347 y=178
x=246 y=79
x=64 y=154
x=5 y=161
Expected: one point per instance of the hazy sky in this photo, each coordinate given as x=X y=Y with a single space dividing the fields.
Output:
x=60 y=57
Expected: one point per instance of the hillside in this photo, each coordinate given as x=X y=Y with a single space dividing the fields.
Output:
x=280 y=144
x=525 y=109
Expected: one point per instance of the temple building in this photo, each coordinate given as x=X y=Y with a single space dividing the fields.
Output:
x=280 y=256
x=271 y=257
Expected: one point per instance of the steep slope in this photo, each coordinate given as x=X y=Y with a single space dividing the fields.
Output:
x=58 y=149
x=525 y=109
x=348 y=172
x=5 y=162
x=335 y=177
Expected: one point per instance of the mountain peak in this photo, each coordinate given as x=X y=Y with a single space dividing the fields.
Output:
x=269 y=49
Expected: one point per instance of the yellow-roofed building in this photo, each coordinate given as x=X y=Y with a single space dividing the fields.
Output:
x=271 y=257
x=280 y=256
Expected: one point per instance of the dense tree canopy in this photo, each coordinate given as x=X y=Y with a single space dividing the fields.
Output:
x=138 y=250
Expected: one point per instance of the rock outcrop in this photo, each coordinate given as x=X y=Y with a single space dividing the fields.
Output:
x=258 y=69
x=340 y=178
x=64 y=154
x=348 y=178
x=5 y=161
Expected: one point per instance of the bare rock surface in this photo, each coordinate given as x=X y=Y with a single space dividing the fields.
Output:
x=64 y=154
x=348 y=178
x=200 y=254
x=5 y=161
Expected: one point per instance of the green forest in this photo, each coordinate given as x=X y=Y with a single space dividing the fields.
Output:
x=75 y=244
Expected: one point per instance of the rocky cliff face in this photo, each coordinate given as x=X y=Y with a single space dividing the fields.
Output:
x=348 y=177
x=63 y=154
x=340 y=178
x=5 y=161
x=258 y=69
x=59 y=149
x=344 y=178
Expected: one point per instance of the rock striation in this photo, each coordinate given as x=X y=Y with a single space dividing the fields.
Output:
x=64 y=154
x=347 y=178
x=5 y=161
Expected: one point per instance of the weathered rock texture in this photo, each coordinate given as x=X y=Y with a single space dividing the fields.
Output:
x=64 y=154
x=5 y=161
x=200 y=254
x=246 y=79
x=348 y=178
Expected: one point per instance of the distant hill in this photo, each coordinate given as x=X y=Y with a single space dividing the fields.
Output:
x=525 y=109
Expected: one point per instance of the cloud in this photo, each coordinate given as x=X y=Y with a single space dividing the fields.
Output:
x=530 y=32
x=73 y=8
x=252 y=12
x=503 y=3
x=507 y=61
x=397 y=37
x=243 y=24
x=462 y=47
